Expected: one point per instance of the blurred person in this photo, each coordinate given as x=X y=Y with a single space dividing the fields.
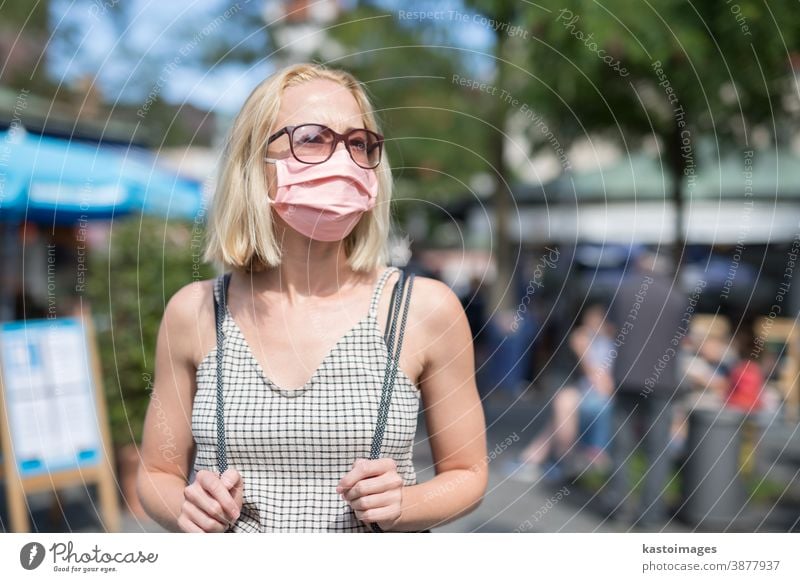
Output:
x=582 y=413
x=746 y=379
x=709 y=367
x=704 y=362
x=593 y=344
x=648 y=313
x=745 y=393
x=509 y=337
x=300 y=220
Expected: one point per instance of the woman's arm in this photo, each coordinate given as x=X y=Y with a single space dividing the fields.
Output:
x=453 y=414
x=167 y=443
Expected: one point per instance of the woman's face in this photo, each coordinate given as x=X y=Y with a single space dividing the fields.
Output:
x=318 y=101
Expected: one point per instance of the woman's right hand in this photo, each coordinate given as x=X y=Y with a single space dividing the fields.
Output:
x=212 y=502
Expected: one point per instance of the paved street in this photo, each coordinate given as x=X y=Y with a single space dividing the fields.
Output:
x=511 y=504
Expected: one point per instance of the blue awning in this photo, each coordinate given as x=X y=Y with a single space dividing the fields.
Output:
x=54 y=180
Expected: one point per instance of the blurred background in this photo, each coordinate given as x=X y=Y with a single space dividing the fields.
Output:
x=542 y=151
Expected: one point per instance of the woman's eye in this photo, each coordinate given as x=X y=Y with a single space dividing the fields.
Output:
x=309 y=138
x=358 y=144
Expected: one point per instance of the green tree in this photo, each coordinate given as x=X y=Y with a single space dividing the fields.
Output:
x=407 y=68
x=25 y=25
x=147 y=261
x=671 y=70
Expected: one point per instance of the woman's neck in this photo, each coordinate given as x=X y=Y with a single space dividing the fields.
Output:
x=308 y=268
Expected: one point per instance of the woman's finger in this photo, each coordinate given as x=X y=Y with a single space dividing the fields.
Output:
x=235 y=484
x=363 y=468
x=373 y=485
x=384 y=499
x=216 y=488
x=377 y=514
x=206 y=503
x=231 y=478
x=203 y=520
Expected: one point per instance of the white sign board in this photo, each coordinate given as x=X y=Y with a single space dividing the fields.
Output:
x=49 y=395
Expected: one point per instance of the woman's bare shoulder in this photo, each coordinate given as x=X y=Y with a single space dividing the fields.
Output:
x=186 y=302
x=435 y=305
x=189 y=320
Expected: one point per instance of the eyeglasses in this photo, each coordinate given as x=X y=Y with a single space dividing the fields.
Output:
x=312 y=143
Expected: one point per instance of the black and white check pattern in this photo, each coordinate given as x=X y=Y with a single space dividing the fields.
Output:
x=292 y=446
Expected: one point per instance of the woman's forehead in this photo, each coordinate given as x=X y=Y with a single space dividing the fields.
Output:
x=322 y=102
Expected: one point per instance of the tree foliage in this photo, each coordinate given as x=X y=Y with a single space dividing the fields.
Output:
x=147 y=261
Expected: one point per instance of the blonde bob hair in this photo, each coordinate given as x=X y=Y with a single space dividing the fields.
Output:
x=240 y=233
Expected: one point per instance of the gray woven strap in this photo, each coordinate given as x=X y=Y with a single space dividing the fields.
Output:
x=392 y=363
x=393 y=360
x=219 y=316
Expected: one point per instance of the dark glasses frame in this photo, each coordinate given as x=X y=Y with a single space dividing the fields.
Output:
x=337 y=137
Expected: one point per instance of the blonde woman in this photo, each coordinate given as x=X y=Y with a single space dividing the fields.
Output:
x=300 y=222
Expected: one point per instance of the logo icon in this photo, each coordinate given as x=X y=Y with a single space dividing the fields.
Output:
x=31 y=555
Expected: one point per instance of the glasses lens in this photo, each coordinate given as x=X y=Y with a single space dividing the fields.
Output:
x=365 y=147
x=312 y=143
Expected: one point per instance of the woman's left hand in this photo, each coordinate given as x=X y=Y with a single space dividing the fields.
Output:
x=374 y=489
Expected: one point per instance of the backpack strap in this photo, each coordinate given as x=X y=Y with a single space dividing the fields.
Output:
x=392 y=361
x=221 y=291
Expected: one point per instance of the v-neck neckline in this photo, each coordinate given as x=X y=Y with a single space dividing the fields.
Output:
x=370 y=317
x=317 y=371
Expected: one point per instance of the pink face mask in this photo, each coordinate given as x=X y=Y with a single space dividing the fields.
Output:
x=323 y=201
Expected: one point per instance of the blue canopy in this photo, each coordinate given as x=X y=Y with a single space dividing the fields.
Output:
x=48 y=179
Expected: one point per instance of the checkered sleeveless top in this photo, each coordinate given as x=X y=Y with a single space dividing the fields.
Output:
x=292 y=446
